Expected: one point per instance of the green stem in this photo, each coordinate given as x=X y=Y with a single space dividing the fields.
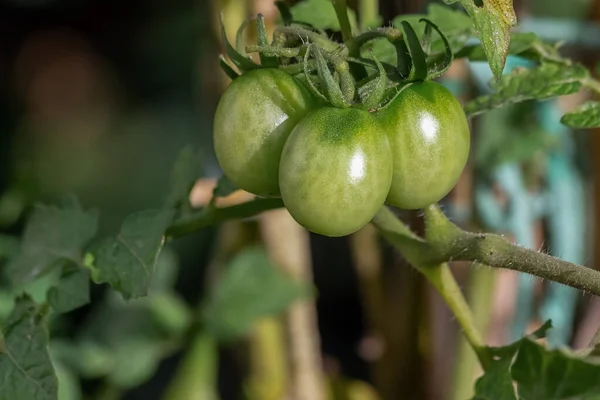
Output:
x=438 y=274
x=481 y=284
x=592 y=84
x=368 y=12
x=443 y=281
x=309 y=35
x=213 y=216
x=341 y=10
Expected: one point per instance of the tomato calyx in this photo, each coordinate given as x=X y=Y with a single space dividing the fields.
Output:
x=336 y=72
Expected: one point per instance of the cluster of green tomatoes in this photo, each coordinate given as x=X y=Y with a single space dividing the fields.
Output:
x=335 y=167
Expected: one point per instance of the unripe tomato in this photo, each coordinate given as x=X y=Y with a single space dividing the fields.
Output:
x=335 y=170
x=255 y=116
x=430 y=139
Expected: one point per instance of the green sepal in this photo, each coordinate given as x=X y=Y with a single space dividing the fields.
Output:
x=239 y=38
x=333 y=93
x=242 y=62
x=377 y=90
x=266 y=59
x=307 y=69
x=436 y=67
x=230 y=72
x=418 y=70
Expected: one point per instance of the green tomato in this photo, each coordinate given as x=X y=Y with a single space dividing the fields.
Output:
x=254 y=118
x=430 y=139
x=335 y=170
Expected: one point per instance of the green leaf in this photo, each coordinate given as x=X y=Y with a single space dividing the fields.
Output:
x=26 y=370
x=493 y=20
x=585 y=116
x=496 y=383
x=68 y=382
x=51 y=235
x=72 y=292
x=185 y=172
x=137 y=360
x=91 y=360
x=127 y=261
x=539 y=83
x=9 y=247
x=320 y=14
x=249 y=288
x=554 y=374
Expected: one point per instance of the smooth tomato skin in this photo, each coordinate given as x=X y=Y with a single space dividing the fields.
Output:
x=430 y=139
x=335 y=170
x=254 y=118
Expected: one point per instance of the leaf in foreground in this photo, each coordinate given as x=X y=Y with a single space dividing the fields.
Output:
x=543 y=82
x=25 y=368
x=250 y=288
x=52 y=234
x=585 y=116
x=73 y=291
x=127 y=261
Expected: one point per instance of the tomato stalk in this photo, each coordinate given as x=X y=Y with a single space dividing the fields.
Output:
x=341 y=10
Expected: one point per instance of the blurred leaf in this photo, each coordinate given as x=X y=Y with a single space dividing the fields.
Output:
x=456 y=25
x=90 y=359
x=73 y=291
x=320 y=14
x=136 y=361
x=185 y=172
x=165 y=271
x=27 y=372
x=52 y=234
x=493 y=20
x=196 y=376
x=543 y=82
x=7 y=303
x=585 y=116
x=170 y=312
x=249 y=288
x=127 y=261
x=68 y=383
x=9 y=247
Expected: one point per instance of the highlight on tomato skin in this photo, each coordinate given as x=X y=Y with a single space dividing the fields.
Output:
x=336 y=170
x=254 y=118
x=430 y=140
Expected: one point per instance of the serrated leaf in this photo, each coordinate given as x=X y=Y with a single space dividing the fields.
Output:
x=72 y=292
x=554 y=374
x=127 y=261
x=539 y=83
x=585 y=116
x=26 y=370
x=320 y=14
x=496 y=383
x=493 y=21
x=250 y=288
x=52 y=234
x=186 y=170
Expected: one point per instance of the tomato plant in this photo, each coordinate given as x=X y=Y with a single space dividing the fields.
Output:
x=430 y=140
x=335 y=170
x=254 y=117
x=329 y=118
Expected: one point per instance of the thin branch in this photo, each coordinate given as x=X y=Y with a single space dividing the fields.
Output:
x=213 y=216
